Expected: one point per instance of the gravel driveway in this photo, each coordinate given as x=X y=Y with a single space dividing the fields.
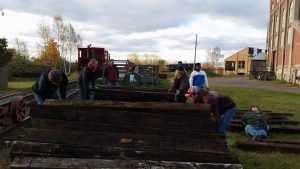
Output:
x=245 y=82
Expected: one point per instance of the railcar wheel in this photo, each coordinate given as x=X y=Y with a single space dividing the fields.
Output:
x=17 y=109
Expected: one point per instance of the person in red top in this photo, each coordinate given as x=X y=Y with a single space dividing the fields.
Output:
x=111 y=73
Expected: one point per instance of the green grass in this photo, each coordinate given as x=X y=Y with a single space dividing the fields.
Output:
x=266 y=100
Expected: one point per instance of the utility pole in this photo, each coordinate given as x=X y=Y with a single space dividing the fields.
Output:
x=196 y=44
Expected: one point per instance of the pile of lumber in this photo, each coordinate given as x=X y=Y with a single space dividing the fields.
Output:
x=112 y=134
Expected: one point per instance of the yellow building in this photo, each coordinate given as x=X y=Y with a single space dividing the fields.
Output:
x=240 y=63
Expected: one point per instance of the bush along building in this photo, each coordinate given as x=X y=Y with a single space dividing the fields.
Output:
x=244 y=61
x=283 y=40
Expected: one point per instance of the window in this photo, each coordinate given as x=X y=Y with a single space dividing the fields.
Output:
x=283 y=18
x=292 y=12
x=230 y=65
x=241 y=64
x=290 y=34
x=277 y=23
x=276 y=41
x=282 y=39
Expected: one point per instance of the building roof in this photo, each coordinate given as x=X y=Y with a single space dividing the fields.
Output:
x=260 y=56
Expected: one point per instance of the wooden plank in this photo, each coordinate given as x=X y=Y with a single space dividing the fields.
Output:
x=237 y=127
x=279 y=117
x=193 y=110
x=112 y=152
x=269 y=113
x=101 y=127
x=128 y=140
x=131 y=95
x=271 y=121
x=133 y=88
x=266 y=146
x=281 y=141
x=125 y=118
x=22 y=162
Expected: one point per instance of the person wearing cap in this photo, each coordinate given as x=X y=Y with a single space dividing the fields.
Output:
x=198 y=77
x=222 y=106
x=51 y=84
x=87 y=79
x=111 y=73
x=180 y=85
x=256 y=123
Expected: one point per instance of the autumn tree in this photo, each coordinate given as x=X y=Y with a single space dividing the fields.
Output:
x=213 y=56
x=50 y=56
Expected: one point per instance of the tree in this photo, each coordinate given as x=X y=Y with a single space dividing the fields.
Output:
x=5 y=54
x=44 y=31
x=20 y=61
x=58 y=30
x=72 y=43
x=51 y=55
x=213 y=56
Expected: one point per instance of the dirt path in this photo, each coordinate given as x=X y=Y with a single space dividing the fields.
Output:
x=243 y=81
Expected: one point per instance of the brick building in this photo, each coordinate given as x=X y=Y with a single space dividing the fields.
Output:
x=241 y=62
x=284 y=40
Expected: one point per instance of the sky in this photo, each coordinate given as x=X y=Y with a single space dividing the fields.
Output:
x=166 y=28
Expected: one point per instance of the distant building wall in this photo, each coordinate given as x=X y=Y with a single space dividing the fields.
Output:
x=283 y=40
x=240 y=62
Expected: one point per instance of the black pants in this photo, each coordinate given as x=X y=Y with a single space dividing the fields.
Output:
x=180 y=99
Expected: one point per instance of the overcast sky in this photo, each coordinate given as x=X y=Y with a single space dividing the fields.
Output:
x=163 y=27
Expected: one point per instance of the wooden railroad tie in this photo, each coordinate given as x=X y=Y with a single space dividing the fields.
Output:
x=114 y=134
x=269 y=145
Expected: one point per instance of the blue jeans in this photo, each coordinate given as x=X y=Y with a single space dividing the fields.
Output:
x=225 y=120
x=39 y=99
x=255 y=131
x=84 y=93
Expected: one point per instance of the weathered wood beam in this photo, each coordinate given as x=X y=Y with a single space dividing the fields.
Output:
x=267 y=146
x=269 y=113
x=112 y=152
x=128 y=140
x=101 y=127
x=238 y=127
x=193 y=110
x=279 y=117
x=132 y=88
x=132 y=95
x=271 y=121
x=22 y=162
x=125 y=118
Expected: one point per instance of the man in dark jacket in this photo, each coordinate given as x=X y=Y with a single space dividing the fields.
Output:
x=52 y=84
x=222 y=106
x=256 y=123
x=180 y=85
x=87 y=76
x=111 y=73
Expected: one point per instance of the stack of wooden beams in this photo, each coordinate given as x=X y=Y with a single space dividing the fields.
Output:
x=111 y=134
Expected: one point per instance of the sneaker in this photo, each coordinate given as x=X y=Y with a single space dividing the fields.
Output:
x=257 y=138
